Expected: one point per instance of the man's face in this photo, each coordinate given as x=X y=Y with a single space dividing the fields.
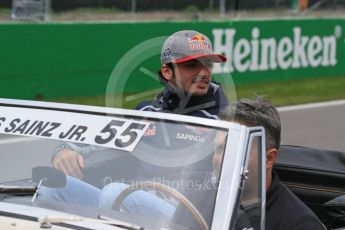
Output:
x=193 y=76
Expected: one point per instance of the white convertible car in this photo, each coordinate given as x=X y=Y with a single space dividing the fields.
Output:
x=201 y=169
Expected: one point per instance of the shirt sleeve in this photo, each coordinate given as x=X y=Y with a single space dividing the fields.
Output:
x=83 y=149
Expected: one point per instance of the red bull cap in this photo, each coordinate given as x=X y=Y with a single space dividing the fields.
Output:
x=186 y=45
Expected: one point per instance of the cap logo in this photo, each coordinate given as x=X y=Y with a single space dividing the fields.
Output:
x=198 y=38
x=198 y=42
x=166 y=54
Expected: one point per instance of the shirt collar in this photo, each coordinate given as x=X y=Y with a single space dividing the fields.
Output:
x=273 y=191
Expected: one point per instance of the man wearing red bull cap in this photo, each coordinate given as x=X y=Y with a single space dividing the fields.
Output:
x=186 y=72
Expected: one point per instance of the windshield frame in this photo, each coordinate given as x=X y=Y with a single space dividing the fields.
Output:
x=227 y=194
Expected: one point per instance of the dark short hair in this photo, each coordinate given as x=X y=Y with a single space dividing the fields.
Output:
x=256 y=112
x=160 y=75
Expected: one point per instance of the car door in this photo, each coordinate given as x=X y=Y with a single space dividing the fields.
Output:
x=250 y=214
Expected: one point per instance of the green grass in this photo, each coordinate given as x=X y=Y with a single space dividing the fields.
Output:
x=287 y=92
x=291 y=92
x=89 y=100
x=5 y=10
x=98 y=100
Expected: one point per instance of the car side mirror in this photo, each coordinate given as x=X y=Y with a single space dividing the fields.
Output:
x=50 y=177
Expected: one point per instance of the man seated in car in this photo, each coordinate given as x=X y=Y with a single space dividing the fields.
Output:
x=186 y=73
x=284 y=211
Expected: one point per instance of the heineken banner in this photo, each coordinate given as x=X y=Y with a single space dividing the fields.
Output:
x=255 y=53
x=274 y=50
x=82 y=59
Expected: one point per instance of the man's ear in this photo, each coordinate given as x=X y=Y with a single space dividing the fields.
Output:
x=271 y=156
x=166 y=72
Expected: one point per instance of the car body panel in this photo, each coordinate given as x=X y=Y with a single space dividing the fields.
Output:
x=16 y=216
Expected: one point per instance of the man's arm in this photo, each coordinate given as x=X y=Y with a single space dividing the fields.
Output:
x=69 y=158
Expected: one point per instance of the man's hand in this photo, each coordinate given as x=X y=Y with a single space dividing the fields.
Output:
x=69 y=162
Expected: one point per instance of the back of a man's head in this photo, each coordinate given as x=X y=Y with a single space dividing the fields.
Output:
x=256 y=112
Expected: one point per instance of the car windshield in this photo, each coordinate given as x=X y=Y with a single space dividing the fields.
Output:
x=144 y=170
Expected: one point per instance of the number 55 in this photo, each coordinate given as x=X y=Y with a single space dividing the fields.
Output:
x=129 y=132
